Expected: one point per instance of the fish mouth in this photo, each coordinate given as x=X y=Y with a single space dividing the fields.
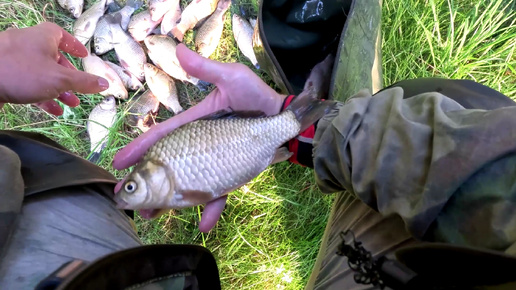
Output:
x=120 y=203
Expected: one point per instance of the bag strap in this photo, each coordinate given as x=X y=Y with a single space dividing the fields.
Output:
x=184 y=266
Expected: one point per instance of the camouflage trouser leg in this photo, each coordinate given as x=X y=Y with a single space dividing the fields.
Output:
x=379 y=235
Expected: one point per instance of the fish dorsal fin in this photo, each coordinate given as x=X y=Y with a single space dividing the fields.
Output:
x=224 y=114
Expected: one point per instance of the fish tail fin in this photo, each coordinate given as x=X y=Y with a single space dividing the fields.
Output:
x=177 y=32
x=135 y=4
x=308 y=108
x=203 y=85
x=94 y=157
x=112 y=6
x=223 y=4
x=114 y=19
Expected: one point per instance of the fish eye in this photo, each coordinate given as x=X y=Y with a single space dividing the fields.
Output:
x=130 y=187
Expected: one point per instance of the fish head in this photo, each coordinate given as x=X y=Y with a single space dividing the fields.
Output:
x=158 y=8
x=102 y=45
x=149 y=186
x=108 y=103
x=149 y=41
x=75 y=8
x=149 y=70
x=121 y=93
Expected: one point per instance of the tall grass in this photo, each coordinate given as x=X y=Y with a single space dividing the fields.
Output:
x=269 y=233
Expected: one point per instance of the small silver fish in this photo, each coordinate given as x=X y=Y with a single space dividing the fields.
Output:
x=95 y=65
x=141 y=25
x=130 y=81
x=206 y=159
x=158 y=8
x=208 y=36
x=243 y=34
x=102 y=39
x=84 y=27
x=162 y=52
x=129 y=52
x=141 y=109
x=163 y=87
x=73 y=6
x=100 y=120
x=196 y=11
x=170 y=19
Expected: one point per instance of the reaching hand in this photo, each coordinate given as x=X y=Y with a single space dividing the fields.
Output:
x=33 y=70
x=237 y=88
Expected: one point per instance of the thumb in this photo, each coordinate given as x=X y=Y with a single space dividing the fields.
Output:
x=200 y=67
x=81 y=82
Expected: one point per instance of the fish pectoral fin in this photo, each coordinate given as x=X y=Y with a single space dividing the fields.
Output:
x=196 y=196
x=282 y=154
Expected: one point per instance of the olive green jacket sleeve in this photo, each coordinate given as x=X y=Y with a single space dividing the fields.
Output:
x=450 y=173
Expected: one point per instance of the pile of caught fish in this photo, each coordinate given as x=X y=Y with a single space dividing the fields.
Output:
x=144 y=43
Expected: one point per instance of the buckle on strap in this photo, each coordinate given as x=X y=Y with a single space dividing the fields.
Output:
x=381 y=272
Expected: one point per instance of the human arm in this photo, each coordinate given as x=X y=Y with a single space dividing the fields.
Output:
x=34 y=71
x=449 y=172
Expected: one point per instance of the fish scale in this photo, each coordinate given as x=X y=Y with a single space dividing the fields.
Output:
x=183 y=146
x=205 y=159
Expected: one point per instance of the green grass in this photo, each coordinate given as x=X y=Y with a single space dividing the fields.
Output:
x=269 y=234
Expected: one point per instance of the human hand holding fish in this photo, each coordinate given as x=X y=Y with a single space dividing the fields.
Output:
x=34 y=71
x=238 y=88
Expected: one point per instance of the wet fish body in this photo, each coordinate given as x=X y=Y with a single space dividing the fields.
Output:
x=170 y=19
x=128 y=79
x=141 y=25
x=163 y=87
x=206 y=159
x=158 y=8
x=141 y=108
x=102 y=39
x=129 y=52
x=208 y=36
x=193 y=13
x=73 y=6
x=100 y=120
x=243 y=34
x=84 y=27
x=162 y=52
x=95 y=65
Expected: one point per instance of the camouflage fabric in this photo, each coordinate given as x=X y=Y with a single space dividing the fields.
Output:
x=423 y=168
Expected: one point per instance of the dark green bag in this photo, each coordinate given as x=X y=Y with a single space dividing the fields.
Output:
x=292 y=36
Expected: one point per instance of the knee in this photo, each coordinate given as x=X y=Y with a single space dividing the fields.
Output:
x=11 y=181
x=9 y=160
